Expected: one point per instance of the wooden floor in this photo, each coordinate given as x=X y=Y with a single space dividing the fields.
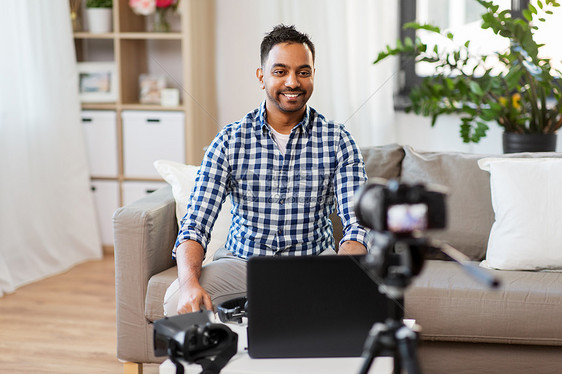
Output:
x=63 y=324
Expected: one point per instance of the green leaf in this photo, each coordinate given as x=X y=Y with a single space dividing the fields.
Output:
x=527 y=14
x=417 y=26
x=408 y=42
x=475 y=88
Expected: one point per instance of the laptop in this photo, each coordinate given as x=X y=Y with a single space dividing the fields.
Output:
x=311 y=306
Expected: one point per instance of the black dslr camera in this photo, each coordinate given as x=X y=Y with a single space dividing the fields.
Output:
x=401 y=209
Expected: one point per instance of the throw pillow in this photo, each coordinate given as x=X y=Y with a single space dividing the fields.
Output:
x=528 y=210
x=469 y=210
x=182 y=179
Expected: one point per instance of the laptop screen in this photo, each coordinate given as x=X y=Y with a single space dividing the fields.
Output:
x=311 y=306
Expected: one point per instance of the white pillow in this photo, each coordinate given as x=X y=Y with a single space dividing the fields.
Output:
x=182 y=179
x=526 y=234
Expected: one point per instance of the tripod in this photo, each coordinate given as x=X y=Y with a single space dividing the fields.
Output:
x=396 y=270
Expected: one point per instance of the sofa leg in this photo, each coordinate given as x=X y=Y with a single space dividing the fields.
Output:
x=132 y=368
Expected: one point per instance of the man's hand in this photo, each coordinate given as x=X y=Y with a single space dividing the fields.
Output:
x=351 y=247
x=192 y=297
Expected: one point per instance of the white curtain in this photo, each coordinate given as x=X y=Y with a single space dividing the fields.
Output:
x=47 y=217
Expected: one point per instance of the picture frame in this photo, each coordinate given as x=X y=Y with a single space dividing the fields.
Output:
x=150 y=88
x=97 y=82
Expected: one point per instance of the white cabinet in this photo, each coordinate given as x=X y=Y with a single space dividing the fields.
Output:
x=150 y=136
x=100 y=131
x=133 y=191
x=106 y=199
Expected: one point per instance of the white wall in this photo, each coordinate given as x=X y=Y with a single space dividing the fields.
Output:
x=237 y=52
x=416 y=131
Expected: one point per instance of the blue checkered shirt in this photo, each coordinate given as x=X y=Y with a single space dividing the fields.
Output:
x=280 y=203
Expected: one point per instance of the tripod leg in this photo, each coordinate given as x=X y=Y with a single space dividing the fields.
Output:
x=372 y=347
x=407 y=345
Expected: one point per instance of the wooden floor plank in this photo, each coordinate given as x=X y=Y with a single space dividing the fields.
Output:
x=63 y=324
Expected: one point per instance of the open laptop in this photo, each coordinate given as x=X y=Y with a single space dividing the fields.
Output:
x=311 y=306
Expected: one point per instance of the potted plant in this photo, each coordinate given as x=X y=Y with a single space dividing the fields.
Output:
x=521 y=91
x=99 y=15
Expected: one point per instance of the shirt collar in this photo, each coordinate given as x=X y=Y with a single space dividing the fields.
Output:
x=305 y=124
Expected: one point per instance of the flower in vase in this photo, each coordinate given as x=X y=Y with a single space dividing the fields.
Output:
x=143 y=7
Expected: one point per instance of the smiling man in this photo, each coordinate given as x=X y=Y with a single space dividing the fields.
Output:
x=284 y=167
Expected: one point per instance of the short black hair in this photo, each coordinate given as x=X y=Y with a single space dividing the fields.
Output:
x=283 y=34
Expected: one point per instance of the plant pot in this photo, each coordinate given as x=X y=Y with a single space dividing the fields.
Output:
x=515 y=143
x=100 y=20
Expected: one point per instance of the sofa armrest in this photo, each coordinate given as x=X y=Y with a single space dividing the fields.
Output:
x=144 y=234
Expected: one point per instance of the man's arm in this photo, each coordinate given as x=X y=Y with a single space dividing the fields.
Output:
x=351 y=247
x=350 y=175
x=190 y=256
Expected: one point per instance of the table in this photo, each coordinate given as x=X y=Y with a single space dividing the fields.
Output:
x=241 y=363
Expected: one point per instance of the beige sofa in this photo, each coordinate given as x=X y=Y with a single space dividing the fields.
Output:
x=466 y=328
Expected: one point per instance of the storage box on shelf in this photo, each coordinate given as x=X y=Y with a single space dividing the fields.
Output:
x=106 y=199
x=136 y=190
x=100 y=131
x=150 y=136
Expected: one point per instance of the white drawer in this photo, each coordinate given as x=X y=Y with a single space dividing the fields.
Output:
x=151 y=136
x=106 y=198
x=133 y=191
x=101 y=142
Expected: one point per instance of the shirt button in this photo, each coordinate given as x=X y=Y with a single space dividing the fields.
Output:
x=282 y=201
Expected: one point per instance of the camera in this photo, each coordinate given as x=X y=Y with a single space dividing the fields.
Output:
x=400 y=208
x=193 y=338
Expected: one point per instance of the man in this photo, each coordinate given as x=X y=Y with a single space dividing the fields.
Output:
x=282 y=165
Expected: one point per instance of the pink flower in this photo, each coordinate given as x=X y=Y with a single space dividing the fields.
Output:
x=143 y=7
x=164 y=3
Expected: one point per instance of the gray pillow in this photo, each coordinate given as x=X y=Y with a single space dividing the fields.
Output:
x=469 y=207
x=383 y=161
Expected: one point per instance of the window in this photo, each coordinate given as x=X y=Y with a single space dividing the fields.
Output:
x=462 y=17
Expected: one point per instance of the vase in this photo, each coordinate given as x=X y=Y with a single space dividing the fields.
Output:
x=515 y=143
x=160 y=22
x=99 y=20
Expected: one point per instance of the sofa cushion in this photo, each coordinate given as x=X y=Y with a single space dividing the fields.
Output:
x=450 y=306
x=383 y=161
x=157 y=286
x=469 y=208
x=528 y=210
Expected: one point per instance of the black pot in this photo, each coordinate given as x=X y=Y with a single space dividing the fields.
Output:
x=515 y=143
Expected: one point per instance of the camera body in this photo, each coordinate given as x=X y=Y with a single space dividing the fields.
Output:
x=195 y=339
x=400 y=208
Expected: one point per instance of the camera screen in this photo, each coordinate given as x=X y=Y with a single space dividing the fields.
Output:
x=404 y=218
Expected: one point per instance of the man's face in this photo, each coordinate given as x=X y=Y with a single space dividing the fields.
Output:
x=287 y=77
